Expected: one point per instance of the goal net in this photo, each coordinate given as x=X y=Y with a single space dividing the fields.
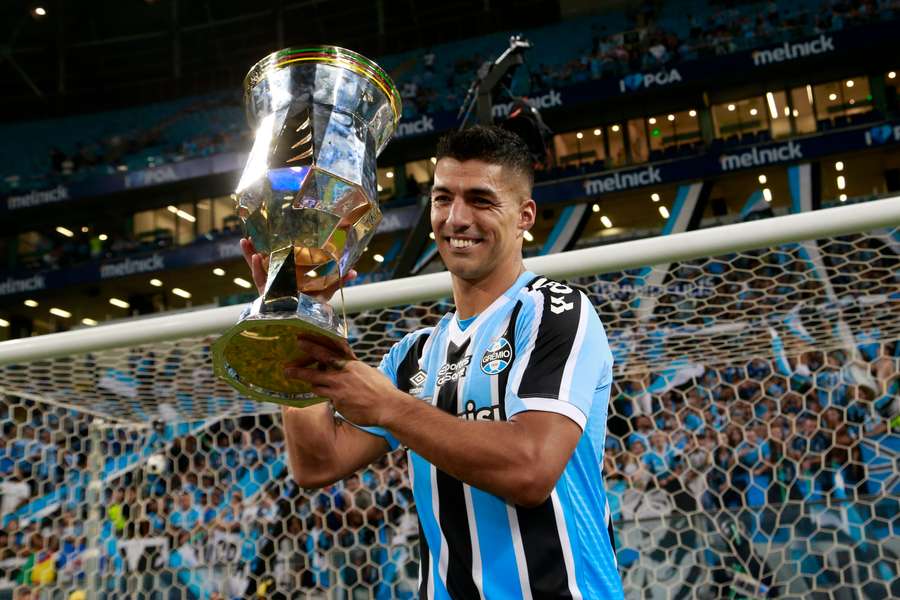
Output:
x=753 y=447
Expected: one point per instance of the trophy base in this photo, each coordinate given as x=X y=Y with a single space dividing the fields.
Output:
x=250 y=356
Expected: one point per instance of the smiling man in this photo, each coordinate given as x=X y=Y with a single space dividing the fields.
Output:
x=501 y=406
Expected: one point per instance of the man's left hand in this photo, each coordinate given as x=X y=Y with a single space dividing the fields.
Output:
x=360 y=393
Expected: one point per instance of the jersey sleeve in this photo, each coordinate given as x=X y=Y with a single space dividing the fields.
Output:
x=562 y=357
x=393 y=365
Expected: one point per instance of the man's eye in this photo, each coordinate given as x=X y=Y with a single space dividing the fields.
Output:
x=440 y=200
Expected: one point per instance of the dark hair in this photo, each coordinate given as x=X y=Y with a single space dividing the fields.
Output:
x=490 y=144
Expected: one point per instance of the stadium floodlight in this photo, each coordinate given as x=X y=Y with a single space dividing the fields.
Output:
x=156 y=282
x=654 y=196
x=119 y=303
x=389 y=174
x=664 y=212
x=606 y=222
x=66 y=232
x=692 y=113
x=841 y=182
x=4 y=323
x=59 y=312
x=528 y=236
x=242 y=282
x=595 y=208
x=762 y=179
x=31 y=303
x=182 y=293
x=767 y=194
x=377 y=258
x=102 y=237
x=839 y=165
x=219 y=271
x=89 y=322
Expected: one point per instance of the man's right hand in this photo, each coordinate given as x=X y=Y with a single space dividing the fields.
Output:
x=259 y=266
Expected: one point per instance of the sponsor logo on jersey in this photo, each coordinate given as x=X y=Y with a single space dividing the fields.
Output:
x=451 y=372
x=497 y=357
x=417 y=381
x=485 y=413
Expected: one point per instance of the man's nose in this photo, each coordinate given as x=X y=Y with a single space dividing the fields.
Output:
x=459 y=215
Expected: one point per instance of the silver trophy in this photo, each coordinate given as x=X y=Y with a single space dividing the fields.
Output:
x=308 y=201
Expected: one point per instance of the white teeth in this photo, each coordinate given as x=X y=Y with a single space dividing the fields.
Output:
x=458 y=243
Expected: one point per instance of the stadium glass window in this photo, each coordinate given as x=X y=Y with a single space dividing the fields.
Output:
x=419 y=175
x=856 y=176
x=386 y=183
x=764 y=189
x=637 y=140
x=205 y=220
x=616 y=139
x=836 y=101
x=572 y=149
x=738 y=118
x=780 y=114
x=803 y=109
x=224 y=215
x=674 y=129
x=892 y=88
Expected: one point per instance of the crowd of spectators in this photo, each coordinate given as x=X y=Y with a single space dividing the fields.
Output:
x=652 y=37
x=752 y=435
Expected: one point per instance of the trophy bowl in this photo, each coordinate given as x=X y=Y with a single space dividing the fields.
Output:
x=308 y=201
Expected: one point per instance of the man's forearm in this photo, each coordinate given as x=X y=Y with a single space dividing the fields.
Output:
x=305 y=434
x=494 y=456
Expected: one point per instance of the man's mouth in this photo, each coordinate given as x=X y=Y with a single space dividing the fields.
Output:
x=462 y=242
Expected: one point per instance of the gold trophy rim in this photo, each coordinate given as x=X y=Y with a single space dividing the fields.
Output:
x=331 y=55
x=220 y=364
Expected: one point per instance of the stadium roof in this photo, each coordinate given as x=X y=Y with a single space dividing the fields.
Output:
x=61 y=56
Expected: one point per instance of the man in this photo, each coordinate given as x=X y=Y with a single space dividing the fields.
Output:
x=502 y=405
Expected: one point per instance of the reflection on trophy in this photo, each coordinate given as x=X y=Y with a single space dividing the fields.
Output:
x=308 y=201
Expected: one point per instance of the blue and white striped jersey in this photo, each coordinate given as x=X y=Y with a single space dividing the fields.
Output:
x=539 y=347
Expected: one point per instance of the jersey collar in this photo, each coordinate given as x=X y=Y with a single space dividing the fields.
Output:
x=458 y=336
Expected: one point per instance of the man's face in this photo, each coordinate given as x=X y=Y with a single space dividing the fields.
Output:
x=479 y=212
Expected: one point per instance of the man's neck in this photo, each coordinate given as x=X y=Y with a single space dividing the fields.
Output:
x=472 y=297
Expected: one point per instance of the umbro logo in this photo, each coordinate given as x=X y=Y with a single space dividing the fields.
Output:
x=417 y=381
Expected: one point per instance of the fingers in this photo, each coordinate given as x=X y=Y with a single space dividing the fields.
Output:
x=326 y=348
x=256 y=263
x=314 y=377
x=247 y=250
x=258 y=270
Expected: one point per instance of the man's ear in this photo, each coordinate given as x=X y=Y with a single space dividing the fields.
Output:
x=527 y=214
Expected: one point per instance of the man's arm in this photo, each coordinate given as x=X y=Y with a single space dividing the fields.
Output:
x=519 y=460
x=323 y=448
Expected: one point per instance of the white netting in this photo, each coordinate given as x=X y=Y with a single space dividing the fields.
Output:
x=753 y=448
